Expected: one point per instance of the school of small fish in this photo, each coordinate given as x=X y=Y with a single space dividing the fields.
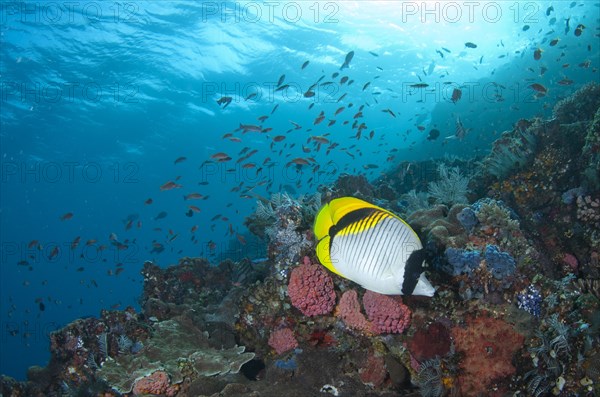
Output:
x=340 y=130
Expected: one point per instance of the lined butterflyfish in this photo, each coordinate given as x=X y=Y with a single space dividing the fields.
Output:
x=372 y=247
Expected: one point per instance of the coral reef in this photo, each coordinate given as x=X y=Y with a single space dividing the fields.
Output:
x=373 y=373
x=515 y=310
x=156 y=383
x=353 y=185
x=451 y=188
x=430 y=342
x=489 y=345
x=462 y=261
x=178 y=348
x=284 y=223
x=530 y=300
x=388 y=314
x=513 y=151
x=467 y=218
x=348 y=310
x=582 y=105
x=311 y=289
x=283 y=340
x=440 y=226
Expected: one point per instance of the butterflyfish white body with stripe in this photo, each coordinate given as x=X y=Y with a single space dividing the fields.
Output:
x=372 y=247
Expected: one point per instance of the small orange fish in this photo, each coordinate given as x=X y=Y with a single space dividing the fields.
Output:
x=220 y=156
x=66 y=216
x=538 y=87
x=585 y=64
x=456 y=95
x=565 y=81
x=54 y=253
x=391 y=113
x=299 y=161
x=241 y=239
x=75 y=242
x=170 y=185
x=320 y=118
x=193 y=196
x=194 y=208
x=249 y=127
x=320 y=139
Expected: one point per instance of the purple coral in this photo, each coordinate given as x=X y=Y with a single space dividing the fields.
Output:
x=530 y=300
x=501 y=264
x=467 y=218
x=462 y=261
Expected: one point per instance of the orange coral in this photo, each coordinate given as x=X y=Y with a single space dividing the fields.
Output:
x=489 y=345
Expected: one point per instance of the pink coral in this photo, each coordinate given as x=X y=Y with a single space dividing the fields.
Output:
x=489 y=345
x=374 y=372
x=283 y=340
x=155 y=383
x=388 y=314
x=429 y=342
x=571 y=261
x=311 y=289
x=349 y=311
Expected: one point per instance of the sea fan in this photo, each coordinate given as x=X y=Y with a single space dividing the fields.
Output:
x=429 y=378
x=538 y=384
x=511 y=152
x=264 y=211
x=124 y=344
x=91 y=362
x=452 y=188
x=415 y=201
x=103 y=344
x=560 y=343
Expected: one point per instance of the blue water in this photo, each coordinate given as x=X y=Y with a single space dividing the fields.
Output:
x=100 y=98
